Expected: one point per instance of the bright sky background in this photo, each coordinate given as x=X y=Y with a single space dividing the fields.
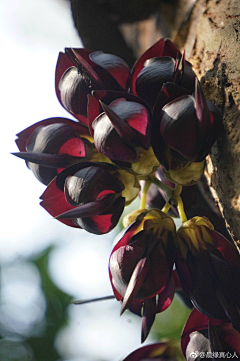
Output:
x=32 y=32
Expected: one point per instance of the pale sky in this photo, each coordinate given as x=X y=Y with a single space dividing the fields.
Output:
x=32 y=32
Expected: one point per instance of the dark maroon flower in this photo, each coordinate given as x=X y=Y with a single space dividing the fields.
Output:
x=160 y=64
x=208 y=267
x=205 y=338
x=162 y=351
x=141 y=264
x=184 y=129
x=53 y=144
x=121 y=128
x=148 y=308
x=90 y=195
x=79 y=71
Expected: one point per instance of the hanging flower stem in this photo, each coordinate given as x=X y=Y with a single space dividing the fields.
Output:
x=180 y=209
x=177 y=190
x=166 y=208
x=170 y=192
x=144 y=194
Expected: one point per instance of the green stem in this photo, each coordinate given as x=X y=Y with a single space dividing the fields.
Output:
x=144 y=194
x=165 y=209
x=172 y=199
x=177 y=190
x=181 y=211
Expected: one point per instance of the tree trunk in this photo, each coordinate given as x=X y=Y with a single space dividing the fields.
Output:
x=213 y=47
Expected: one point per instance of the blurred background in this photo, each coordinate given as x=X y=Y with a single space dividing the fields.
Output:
x=44 y=264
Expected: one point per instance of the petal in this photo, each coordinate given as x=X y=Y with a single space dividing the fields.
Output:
x=158 y=274
x=103 y=223
x=122 y=128
x=164 y=298
x=132 y=110
x=215 y=342
x=231 y=336
x=135 y=283
x=89 y=184
x=227 y=249
x=123 y=262
x=93 y=112
x=179 y=127
x=73 y=76
x=90 y=209
x=195 y=322
x=71 y=170
x=115 y=66
x=160 y=48
x=149 y=313
x=204 y=286
x=54 y=202
x=150 y=80
x=108 y=142
x=169 y=92
x=24 y=135
x=48 y=160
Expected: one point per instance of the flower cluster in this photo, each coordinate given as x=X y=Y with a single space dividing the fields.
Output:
x=143 y=132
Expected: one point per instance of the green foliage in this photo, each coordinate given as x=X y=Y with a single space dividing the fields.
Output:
x=40 y=347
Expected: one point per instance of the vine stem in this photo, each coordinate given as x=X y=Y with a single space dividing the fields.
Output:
x=180 y=209
x=166 y=208
x=170 y=192
x=144 y=194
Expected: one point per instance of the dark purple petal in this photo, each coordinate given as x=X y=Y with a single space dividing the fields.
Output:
x=90 y=209
x=122 y=127
x=115 y=66
x=49 y=160
x=138 y=277
x=164 y=298
x=131 y=109
x=123 y=261
x=150 y=80
x=81 y=59
x=24 y=135
x=160 y=48
x=204 y=287
x=77 y=75
x=71 y=170
x=93 y=112
x=56 y=145
x=227 y=249
x=108 y=142
x=103 y=223
x=196 y=322
x=148 y=317
x=179 y=126
x=89 y=184
x=54 y=202
x=73 y=92
x=108 y=96
x=169 y=92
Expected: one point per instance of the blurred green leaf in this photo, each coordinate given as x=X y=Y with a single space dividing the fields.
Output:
x=56 y=313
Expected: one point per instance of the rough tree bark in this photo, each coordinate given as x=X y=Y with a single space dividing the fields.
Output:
x=213 y=46
x=209 y=30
